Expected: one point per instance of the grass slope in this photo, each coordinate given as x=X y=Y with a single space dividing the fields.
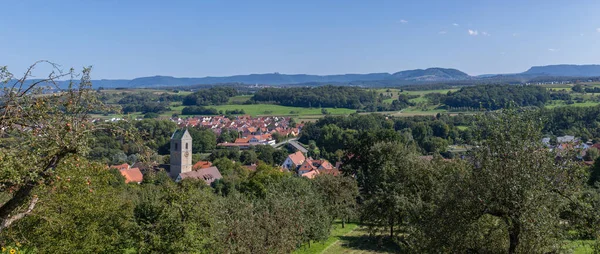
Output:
x=336 y=233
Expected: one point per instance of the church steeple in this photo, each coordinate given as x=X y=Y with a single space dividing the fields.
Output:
x=181 y=152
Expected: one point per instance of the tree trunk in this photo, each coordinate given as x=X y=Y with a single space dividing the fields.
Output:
x=343 y=223
x=391 y=227
x=20 y=197
x=513 y=233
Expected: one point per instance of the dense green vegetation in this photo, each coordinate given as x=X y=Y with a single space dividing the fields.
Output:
x=506 y=193
x=492 y=97
x=328 y=96
x=211 y=96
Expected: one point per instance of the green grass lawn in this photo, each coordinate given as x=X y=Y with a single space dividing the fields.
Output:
x=240 y=99
x=336 y=233
x=442 y=91
x=359 y=241
x=555 y=104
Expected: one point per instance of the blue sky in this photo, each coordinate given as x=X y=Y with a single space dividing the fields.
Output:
x=128 y=39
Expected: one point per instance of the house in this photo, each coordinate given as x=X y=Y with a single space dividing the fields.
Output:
x=310 y=168
x=201 y=165
x=209 y=175
x=132 y=175
x=293 y=161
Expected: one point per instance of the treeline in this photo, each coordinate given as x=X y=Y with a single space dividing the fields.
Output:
x=364 y=100
x=323 y=96
x=493 y=97
x=147 y=102
x=211 y=96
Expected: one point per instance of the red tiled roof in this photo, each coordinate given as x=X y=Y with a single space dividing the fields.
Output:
x=241 y=140
x=132 y=175
x=311 y=174
x=202 y=164
x=297 y=158
x=332 y=171
x=307 y=165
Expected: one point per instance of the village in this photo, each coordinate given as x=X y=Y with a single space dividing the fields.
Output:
x=252 y=132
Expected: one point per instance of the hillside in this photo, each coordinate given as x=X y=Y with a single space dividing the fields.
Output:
x=431 y=74
x=565 y=70
x=401 y=78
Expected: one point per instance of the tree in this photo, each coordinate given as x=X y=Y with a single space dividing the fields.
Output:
x=40 y=132
x=578 y=88
x=339 y=195
x=393 y=185
x=248 y=157
x=518 y=181
x=83 y=209
x=203 y=140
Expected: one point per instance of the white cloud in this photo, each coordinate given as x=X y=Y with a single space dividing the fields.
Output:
x=598 y=29
x=581 y=34
x=455 y=24
x=442 y=32
x=473 y=32
x=502 y=53
x=485 y=34
x=552 y=50
x=515 y=34
x=403 y=21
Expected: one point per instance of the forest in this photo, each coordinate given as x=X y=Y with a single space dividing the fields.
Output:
x=211 y=96
x=507 y=194
x=493 y=97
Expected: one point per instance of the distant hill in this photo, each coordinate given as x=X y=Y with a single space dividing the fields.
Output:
x=401 y=78
x=565 y=70
x=431 y=74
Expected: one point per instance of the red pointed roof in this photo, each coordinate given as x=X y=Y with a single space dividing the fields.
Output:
x=132 y=175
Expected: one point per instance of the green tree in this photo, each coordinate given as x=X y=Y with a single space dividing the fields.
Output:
x=83 y=209
x=339 y=195
x=248 y=157
x=203 y=140
x=519 y=182
x=39 y=132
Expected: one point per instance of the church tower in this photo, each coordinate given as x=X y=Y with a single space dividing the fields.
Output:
x=181 y=153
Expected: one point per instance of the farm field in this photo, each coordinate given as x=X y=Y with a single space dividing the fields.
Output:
x=555 y=104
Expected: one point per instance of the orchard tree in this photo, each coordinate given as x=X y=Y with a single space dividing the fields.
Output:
x=339 y=195
x=39 y=130
x=518 y=181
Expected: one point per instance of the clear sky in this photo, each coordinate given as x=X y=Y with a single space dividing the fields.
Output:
x=128 y=39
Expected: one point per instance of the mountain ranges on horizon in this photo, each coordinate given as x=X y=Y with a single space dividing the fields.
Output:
x=408 y=77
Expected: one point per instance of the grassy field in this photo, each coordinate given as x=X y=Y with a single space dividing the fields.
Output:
x=359 y=241
x=555 y=104
x=336 y=233
x=240 y=99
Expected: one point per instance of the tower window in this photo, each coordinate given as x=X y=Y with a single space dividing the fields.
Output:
x=186 y=145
